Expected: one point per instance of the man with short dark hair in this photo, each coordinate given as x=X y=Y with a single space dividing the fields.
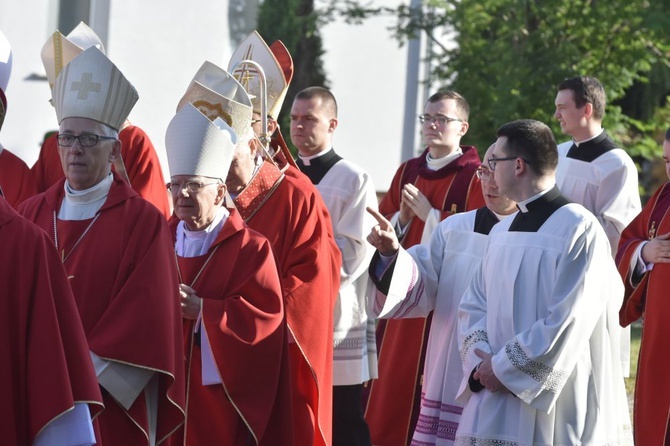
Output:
x=425 y=190
x=537 y=326
x=347 y=190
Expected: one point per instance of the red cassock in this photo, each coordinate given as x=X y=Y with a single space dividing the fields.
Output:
x=293 y=217
x=243 y=316
x=44 y=361
x=16 y=179
x=651 y=414
x=139 y=157
x=122 y=273
x=393 y=401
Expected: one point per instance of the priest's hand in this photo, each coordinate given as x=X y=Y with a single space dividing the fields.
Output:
x=406 y=213
x=382 y=235
x=416 y=201
x=190 y=303
x=657 y=250
x=484 y=373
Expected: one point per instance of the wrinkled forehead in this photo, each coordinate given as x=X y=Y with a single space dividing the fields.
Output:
x=191 y=179
x=82 y=125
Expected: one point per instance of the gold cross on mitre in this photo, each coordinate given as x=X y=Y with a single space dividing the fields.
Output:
x=244 y=73
x=85 y=86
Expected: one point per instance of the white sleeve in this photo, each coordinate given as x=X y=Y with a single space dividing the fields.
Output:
x=73 y=428
x=432 y=222
x=124 y=382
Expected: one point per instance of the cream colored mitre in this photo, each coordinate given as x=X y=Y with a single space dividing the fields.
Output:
x=91 y=86
x=217 y=94
x=59 y=50
x=197 y=146
x=253 y=47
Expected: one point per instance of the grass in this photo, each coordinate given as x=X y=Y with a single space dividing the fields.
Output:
x=635 y=336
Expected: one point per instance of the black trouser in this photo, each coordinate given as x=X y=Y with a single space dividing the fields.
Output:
x=349 y=426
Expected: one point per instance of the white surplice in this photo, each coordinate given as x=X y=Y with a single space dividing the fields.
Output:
x=431 y=277
x=608 y=187
x=545 y=304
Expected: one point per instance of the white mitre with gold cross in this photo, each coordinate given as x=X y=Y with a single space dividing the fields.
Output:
x=254 y=48
x=196 y=145
x=59 y=50
x=91 y=86
x=217 y=94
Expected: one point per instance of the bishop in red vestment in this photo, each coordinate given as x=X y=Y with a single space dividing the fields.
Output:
x=393 y=402
x=44 y=360
x=287 y=213
x=644 y=264
x=239 y=388
x=118 y=256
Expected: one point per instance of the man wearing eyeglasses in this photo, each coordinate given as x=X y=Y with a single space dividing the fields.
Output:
x=425 y=190
x=117 y=253
x=537 y=325
x=431 y=277
x=235 y=333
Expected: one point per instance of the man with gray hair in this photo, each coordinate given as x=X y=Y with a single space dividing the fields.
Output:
x=117 y=253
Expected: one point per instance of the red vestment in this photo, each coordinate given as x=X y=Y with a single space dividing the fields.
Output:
x=124 y=280
x=139 y=158
x=292 y=217
x=394 y=398
x=44 y=361
x=16 y=179
x=243 y=315
x=649 y=299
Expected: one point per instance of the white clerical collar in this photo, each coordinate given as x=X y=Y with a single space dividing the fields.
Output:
x=501 y=217
x=522 y=205
x=197 y=243
x=438 y=163
x=577 y=143
x=306 y=159
x=84 y=204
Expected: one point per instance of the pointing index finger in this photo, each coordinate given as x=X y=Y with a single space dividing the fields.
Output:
x=383 y=222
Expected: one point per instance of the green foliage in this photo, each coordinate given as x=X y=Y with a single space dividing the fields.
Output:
x=296 y=24
x=509 y=55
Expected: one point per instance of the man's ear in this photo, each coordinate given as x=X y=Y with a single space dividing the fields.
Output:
x=116 y=150
x=220 y=193
x=332 y=125
x=272 y=126
x=588 y=110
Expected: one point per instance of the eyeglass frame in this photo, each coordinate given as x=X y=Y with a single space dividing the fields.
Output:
x=78 y=138
x=188 y=186
x=437 y=119
x=484 y=173
x=492 y=161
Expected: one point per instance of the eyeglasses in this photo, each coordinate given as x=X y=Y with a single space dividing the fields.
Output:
x=493 y=161
x=254 y=121
x=483 y=173
x=85 y=139
x=438 y=119
x=191 y=187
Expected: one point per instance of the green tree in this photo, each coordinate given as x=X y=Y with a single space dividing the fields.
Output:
x=296 y=24
x=509 y=55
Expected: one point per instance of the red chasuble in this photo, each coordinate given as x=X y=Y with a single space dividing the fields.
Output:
x=649 y=299
x=16 y=180
x=139 y=158
x=288 y=213
x=44 y=361
x=122 y=273
x=394 y=398
x=243 y=316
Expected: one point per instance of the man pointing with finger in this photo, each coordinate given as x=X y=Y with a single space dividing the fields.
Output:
x=431 y=277
x=425 y=190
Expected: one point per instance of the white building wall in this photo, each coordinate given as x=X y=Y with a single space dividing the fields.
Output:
x=159 y=45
